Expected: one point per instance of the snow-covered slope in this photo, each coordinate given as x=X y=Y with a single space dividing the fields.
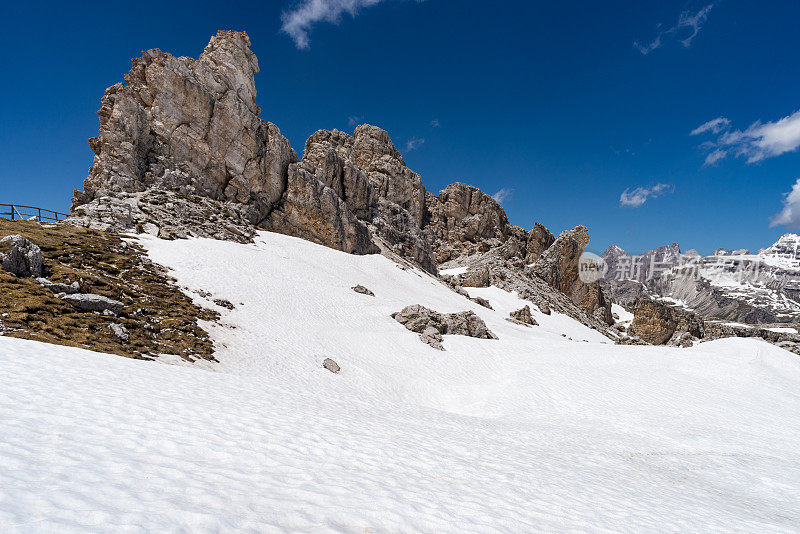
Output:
x=530 y=432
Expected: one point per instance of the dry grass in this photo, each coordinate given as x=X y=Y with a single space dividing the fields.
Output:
x=159 y=318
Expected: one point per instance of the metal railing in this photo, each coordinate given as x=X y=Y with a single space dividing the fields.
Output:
x=18 y=212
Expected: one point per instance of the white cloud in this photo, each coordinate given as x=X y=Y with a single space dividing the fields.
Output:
x=435 y=123
x=502 y=195
x=298 y=21
x=715 y=156
x=789 y=216
x=757 y=142
x=638 y=196
x=355 y=120
x=414 y=143
x=686 y=23
x=714 y=126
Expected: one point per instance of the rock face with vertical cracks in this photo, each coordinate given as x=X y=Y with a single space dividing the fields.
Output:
x=189 y=126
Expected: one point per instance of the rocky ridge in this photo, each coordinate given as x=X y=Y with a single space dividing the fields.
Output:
x=760 y=288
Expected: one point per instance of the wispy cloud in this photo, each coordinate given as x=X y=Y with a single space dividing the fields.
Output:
x=687 y=22
x=633 y=198
x=713 y=126
x=435 y=123
x=759 y=141
x=502 y=195
x=789 y=216
x=355 y=120
x=414 y=143
x=298 y=21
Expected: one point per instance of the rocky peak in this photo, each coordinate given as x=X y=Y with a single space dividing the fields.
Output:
x=187 y=126
x=463 y=220
x=785 y=247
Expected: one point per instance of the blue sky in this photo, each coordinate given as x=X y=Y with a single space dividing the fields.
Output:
x=575 y=112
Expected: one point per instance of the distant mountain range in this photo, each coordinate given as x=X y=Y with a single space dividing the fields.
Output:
x=732 y=285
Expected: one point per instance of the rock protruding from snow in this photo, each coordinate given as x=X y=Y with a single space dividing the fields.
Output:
x=311 y=210
x=21 y=257
x=368 y=173
x=523 y=316
x=658 y=323
x=363 y=290
x=477 y=277
x=559 y=267
x=331 y=365
x=432 y=324
x=89 y=302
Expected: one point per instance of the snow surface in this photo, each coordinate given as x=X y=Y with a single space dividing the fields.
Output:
x=531 y=432
x=625 y=317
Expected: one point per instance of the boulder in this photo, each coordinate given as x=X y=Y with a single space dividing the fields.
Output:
x=89 y=302
x=482 y=301
x=523 y=316
x=21 y=257
x=478 y=277
x=57 y=287
x=425 y=321
x=657 y=322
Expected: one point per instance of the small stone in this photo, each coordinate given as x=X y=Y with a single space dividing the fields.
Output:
x=331 y=365
x=224 y=303
x=120 y=331
x=363 y=290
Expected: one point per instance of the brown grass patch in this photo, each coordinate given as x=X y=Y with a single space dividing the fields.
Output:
x=159 y=318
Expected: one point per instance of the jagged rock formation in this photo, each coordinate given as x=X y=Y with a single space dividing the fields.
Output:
x=463 y=221
x=190 y=127
x=368 y=175
x=183 y=152
x=558 y=266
